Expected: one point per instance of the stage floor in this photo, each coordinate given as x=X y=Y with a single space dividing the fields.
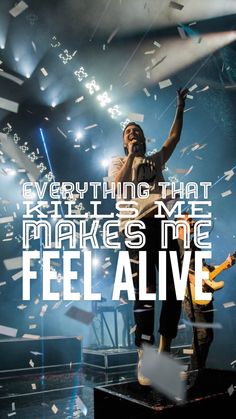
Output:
x=65 y=394
x=38 y=396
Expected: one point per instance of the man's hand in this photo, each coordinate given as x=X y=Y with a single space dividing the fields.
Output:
x=231 y=261
x=133 y=147
x=181 y=96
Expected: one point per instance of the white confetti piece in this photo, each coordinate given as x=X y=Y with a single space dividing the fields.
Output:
x=132 y=330
x=18 y=9
x=11 y=414
x=189 y=97
x=226 y=193
x=150 y=52
x=11 y=77
x=189 y=109
x=230 y=390
x=229 y=304
x=182 y=32
x=157 y=44
x=4 y=220
x=203 y=90
x=79 y=99
x=106 y=265
x=188 y=351
x=189 y=171
x=29 y=336
x=113 y=34
x=228 y=174
x=165 y=83
x=192 y=88
x=164 y=373
x=203 y=325
x=233 y=362
x=44 y=71
x=13 y=263
x=43 y=310
x=181 y=326
x=9 y=105
x=21 y=307
x=138 y=117
x=61 y=132
x=34 y=46
x=33 y=386
x=91 y=126
x=17 y=275
x=146 y=92
x=54 y=409
x=8 y=331
x=80 y=405
x=31 y=363
x=2 y=283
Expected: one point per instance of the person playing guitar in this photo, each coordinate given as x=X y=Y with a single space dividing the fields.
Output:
x=200 y=311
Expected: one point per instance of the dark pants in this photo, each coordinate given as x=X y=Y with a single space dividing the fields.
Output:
x=144 y=311
x=202 y=314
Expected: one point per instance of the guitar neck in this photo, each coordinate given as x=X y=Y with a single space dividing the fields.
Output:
x=218 y=270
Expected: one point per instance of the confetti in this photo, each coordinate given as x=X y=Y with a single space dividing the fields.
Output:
x=138 y=117
x=230 y=390
x=192 y=88
x=61 y=132
x=146 y=92
x=229 y=304
x=188 y=351
x=182 y=33
x=165 y=83
x=150 y=52
x=203 y=90
x=80 y=405
x=91 y=126
x=9 y=105
x=18 y=9
x=44 y=72
x=189 y=171
x=79 y=99
x=113 y=34
x=13 y=263
x=29 y=336
x=228 y=174
x=203 y=325
x=11 y=77
x=4 y=220
x=106 y=265
x=157 y=44
x=175 y=5
x=33 y=386
x=8 y=331
x=17 y=275
x=164 y=373
x=83 y=316
x=226 y=193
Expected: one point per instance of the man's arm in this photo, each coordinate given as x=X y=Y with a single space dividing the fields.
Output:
x=175 y=131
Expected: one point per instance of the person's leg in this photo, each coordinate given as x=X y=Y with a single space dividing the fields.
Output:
x=171 y=307
x=203 y=314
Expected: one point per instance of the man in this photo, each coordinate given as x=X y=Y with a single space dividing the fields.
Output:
x=136 y=167
x=203 y=336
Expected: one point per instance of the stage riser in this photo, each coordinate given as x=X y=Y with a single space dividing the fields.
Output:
x=16 y=354
x=208 y=393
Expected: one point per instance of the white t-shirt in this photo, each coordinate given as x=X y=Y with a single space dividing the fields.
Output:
x=144 y=169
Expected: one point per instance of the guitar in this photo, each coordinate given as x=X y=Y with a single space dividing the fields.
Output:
x=210 y=285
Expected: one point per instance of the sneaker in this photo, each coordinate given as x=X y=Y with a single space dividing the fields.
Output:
x=144 y=381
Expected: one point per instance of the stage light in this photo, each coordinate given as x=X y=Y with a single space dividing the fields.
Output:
x=2 y=46
x=105 y=163
x=104 y=99
x=54 y=104
x=27 y=75
x=17 y=59
x=95 y=262
x=68 y=118
x=42 y=88
x=78 y=135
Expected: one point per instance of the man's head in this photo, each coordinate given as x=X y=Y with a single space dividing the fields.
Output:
x=132 y=132
x=189 y=220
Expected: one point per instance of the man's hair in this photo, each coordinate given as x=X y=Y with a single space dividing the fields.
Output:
x=137 y=125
